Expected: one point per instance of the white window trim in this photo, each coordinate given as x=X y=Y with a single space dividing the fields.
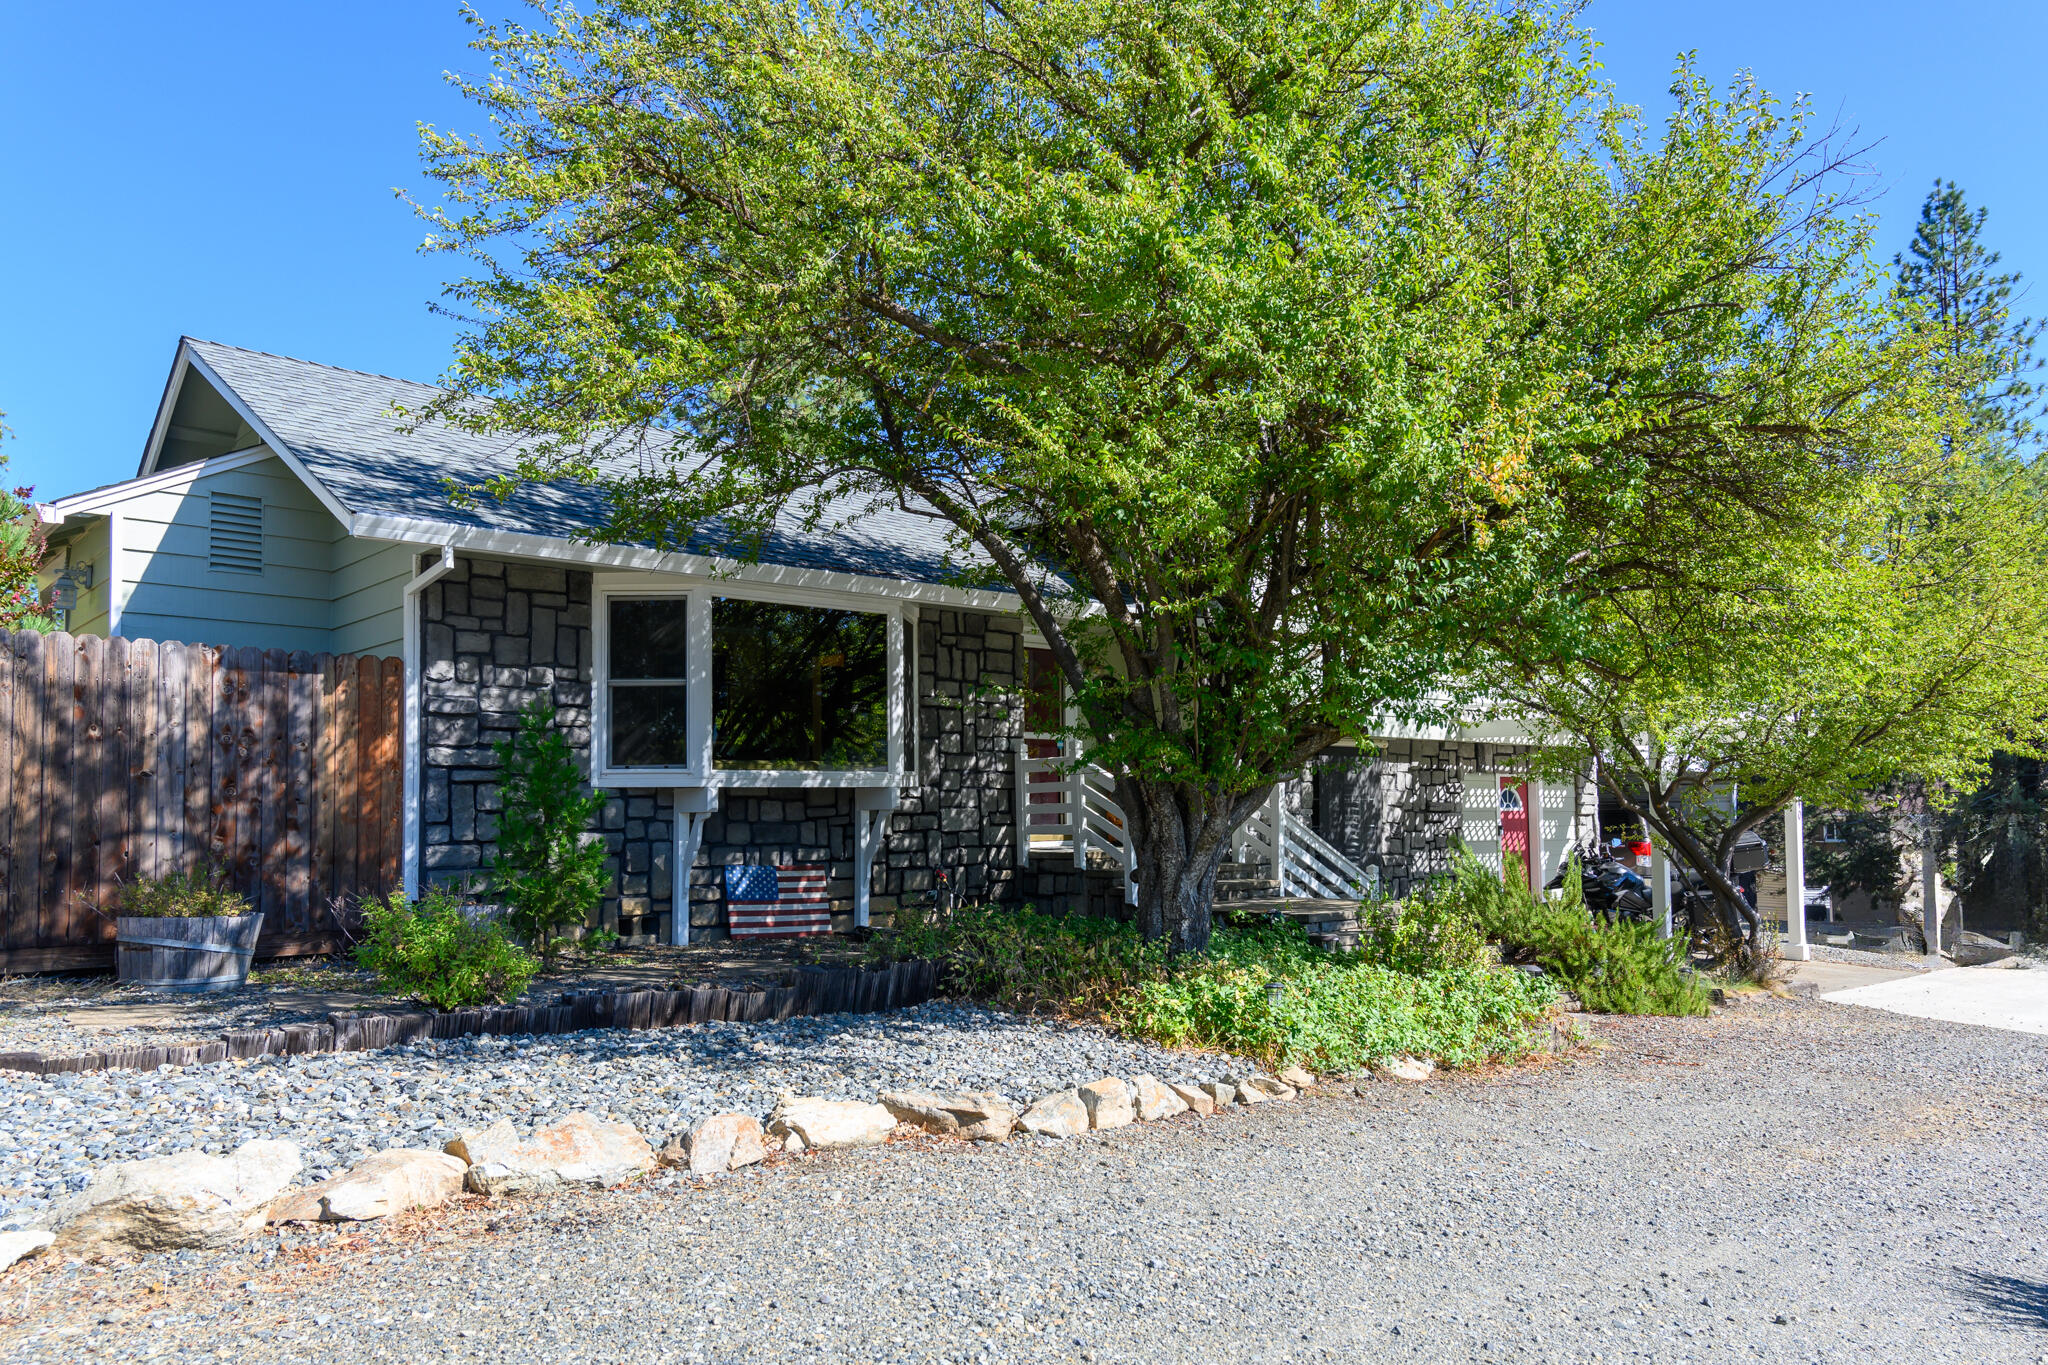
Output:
x=697 y=594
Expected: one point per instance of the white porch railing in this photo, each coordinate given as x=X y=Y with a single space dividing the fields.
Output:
x=1303 y=862
x=1071 y=815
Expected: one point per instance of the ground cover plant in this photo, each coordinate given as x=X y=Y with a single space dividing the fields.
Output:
x=1335 y=1011
x=437 y=951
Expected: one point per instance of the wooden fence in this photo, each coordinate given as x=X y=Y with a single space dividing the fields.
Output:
x=122 y=759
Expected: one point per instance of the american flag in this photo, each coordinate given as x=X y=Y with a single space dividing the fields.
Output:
x=763 y=901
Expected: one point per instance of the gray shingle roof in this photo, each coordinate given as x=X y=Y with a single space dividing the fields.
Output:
x=340 y=425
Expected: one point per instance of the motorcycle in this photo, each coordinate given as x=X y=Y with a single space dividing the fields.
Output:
x=1610 y=888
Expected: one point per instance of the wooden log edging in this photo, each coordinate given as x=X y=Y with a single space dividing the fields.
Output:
x=810 y=991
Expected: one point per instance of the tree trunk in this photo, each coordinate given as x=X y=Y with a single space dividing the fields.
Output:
x=1181 y=835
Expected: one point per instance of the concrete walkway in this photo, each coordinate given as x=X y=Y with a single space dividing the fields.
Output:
x=2003 y=996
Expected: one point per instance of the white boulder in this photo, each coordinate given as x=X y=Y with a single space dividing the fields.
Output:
x=168 y=1203
x=826 y=1124
x=1155 y=1101
x=725 y=1142
x=27 y=1242
x=391 y=1181
x=979 y=1116
x=1108 y=1102
x=580 y=1149
x=1060 y=1114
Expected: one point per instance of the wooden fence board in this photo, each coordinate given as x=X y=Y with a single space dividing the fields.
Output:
x=169 y=743
x=202 y=678
x=123 y=759
x=391 y=774
x=25 y=871
x=275 y=768
x=347 y=794
x=109 y=841
x=325 y=744
x=139 y=743
x=370 y=791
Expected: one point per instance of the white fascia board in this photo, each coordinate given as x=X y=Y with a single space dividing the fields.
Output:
x=162 y=425
x=279 y=448
x=103 y=499
x=673 y=565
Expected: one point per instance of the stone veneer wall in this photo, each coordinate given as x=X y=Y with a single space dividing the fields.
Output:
x=1398 y=806
x=497 y=636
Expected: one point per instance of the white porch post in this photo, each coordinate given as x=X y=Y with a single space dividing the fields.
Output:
x=871 y=811
x=1930 y=893
x=1795 y=883
x=694 y=806
x=1077 y=792
x=1023 y=799
x=1276 y=816
x=1660 y=888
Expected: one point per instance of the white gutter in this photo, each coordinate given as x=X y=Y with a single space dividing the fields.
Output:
x=415 y=757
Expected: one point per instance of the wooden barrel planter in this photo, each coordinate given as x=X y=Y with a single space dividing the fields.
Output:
x=186 y=953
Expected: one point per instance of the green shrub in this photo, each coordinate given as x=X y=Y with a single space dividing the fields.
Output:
x=1613 y=968
x=1338 y=1011
x=548 y=876
x=432 y=950
x=1428 y=932
x=204 y=894
x=1025 y=960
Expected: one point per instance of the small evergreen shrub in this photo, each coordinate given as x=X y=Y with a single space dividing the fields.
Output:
x=1620 y=968
x=204 y=894
x=547 y=875
x=433 y=950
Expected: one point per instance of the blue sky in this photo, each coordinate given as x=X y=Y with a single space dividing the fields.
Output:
x=226 y=170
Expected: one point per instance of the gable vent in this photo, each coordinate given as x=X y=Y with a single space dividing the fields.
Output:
x=236 y=542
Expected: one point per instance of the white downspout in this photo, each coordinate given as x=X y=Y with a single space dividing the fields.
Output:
x=415 y=756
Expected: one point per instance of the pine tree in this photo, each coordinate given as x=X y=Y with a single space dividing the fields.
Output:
x=1989 y=352
x=1997 y=833
x=547 y=874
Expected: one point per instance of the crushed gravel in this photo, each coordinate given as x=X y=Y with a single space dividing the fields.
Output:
x=342 y=1106
x=1784 y=1181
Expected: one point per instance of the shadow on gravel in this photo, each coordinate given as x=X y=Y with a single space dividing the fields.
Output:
x=2005 y=1298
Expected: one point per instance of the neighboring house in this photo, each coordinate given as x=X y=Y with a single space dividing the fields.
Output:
x=850 y=699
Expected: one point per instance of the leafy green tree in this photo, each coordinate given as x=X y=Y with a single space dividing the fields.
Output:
x=1912 y=641
x=1289 y=361
x=1996 y=831
x=548 y=874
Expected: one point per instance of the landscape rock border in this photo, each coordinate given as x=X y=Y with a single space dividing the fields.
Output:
x=805 y=991
x=193 y=1199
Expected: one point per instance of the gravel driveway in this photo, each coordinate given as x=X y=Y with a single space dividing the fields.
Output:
x=1785 y=1181
x=341 y=1106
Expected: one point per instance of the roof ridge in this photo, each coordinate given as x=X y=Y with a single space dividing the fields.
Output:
x=315 y=364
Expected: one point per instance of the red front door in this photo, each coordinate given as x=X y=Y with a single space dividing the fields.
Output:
x=1514 y=827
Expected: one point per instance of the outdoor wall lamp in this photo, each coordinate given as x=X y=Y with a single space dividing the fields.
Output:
x=63 y=593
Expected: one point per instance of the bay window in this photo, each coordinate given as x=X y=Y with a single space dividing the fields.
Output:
x=693 y=682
